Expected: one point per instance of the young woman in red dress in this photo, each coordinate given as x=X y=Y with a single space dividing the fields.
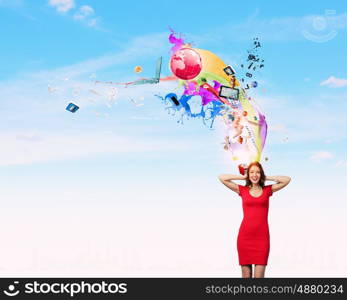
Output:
x=253 y=240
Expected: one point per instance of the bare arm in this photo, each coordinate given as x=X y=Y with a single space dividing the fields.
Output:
x=226 y=179
x=281 y=182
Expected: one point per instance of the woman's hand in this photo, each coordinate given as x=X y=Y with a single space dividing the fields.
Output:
x=246 y=172
x=243 y=169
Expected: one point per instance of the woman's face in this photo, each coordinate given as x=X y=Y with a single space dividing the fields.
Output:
x=254 y=174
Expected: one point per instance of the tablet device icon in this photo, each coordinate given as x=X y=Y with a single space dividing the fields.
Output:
x=158 y=68
x=228 y=92
x=229 y=70
x=155 y=79
x=72 y=107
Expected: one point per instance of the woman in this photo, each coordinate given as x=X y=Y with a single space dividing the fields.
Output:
x=253 y=241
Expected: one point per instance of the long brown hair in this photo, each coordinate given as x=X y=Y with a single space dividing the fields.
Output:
x=262 y=174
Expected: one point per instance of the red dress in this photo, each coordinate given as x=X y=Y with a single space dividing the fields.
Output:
x=253 y=241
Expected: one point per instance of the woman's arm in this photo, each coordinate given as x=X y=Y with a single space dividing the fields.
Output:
x=226 y=179
x=281 y=182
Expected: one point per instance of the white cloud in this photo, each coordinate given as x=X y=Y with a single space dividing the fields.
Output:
x=62 y=5
x=304 y=118
x=278 y=128
x=86 y=15
x=341 y=164
x=147 y=45
x=92 y=23
x=38 y=120
x=84 y=12
x=334 y=82
x=280 y=29
x=26 y=147
x=11 y=3
x=87 y=10
x=321 y=155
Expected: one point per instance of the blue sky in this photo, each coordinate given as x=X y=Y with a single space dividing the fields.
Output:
x=42 y=39
x=104 y=154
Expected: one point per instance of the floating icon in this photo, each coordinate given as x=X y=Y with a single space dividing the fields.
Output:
x=72 y=107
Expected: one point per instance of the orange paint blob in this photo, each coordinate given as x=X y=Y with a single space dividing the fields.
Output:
x=138 y=69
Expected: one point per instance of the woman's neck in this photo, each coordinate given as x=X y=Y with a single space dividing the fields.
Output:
x=256 y=186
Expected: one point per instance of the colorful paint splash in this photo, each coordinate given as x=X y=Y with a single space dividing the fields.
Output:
x=211 y=90
x=181 y=107
x=203 y=74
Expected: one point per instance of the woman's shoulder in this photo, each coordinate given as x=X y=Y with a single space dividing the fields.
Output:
x=242 y=188
x=268 y=188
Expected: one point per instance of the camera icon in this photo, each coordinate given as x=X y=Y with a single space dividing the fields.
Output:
x=319 y=29
x=12 y=290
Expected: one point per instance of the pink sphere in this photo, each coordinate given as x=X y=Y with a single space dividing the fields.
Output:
x=186 y=63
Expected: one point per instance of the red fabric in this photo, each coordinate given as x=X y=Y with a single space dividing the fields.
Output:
x=253 y=241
